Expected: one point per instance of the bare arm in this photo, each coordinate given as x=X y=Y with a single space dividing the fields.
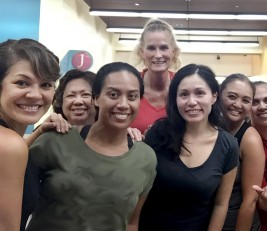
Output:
x=221 y=201
x=13 y=160
x=253 y=159
x=134 y=220
x=54 y=121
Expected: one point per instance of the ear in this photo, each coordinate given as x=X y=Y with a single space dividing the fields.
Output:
x=214 y=98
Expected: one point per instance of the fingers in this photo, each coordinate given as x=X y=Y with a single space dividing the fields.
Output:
x=135 y=134
x=257 y=189
x=56 y=121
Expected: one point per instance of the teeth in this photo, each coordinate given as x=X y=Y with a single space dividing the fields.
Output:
x=263 y=115
x=192 y=112
x=29 y=108
x=234 y=112
x=121 y=116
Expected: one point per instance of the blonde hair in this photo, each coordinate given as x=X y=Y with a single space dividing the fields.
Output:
x=156 y=24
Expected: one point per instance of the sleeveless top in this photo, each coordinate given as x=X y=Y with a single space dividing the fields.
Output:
x=236 y=196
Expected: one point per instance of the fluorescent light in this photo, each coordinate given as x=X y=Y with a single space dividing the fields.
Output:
x=191 y=32
x=201 y=42
x=150 y=14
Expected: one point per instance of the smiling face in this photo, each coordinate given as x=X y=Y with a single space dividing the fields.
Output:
x=236 y=100
x=24 y=97
x=157 y=51
x=119 y=99
x=194 y=99
x=259 y=106
x=77 y=102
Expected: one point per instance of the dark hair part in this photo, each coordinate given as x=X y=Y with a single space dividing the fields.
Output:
x=235 y=77
x=109 y=68
x=45 y=64
x=88 y=76
x=175 y=125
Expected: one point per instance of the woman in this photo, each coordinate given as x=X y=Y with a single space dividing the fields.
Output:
x=159 y=52
x=99 y=183
x=236 y=96
x=28 y=71
x=259 y=122
x=196 y=159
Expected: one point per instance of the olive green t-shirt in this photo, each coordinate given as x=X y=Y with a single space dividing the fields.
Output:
x=82 y=190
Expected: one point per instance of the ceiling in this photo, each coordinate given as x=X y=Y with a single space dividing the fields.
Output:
x=186 y=6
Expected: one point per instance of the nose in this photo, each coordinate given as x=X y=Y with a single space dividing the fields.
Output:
x=78 y=100
x=34 y=92
x=192 y=100
x=123 y=103
x=262 y=106
x=158 y=53
x=238 y=103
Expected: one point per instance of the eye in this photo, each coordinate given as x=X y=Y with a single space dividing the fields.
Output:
x=232 y=97
x=22 y=83
x=113 y=95
x=87 y=95
x=133 y=96
x=255 y=102
x=164 y=47
x=182 y=94
x=151 y=48
x=200 y=93
x=247 y=101
x=47 y=85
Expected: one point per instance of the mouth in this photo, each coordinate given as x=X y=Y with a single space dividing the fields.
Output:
x=193 y=112
x=262 y=115
x=121 y=116
x=234 y=112
x=158 y=62
x=29 y=108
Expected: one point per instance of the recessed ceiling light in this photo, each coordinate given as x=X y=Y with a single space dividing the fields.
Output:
x=136 y=4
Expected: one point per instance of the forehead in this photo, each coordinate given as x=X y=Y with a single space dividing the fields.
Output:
x=192 y=82
x=78 y=83
x=122 y=79
x=261 y=91
x=240 y=87
x=157 y=37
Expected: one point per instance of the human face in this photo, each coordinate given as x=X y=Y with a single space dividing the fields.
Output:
x=194 y=99
x=24 y=97
x=119 y=99
x=77 y=102
x=259 y=106
x=157 y=51
x=236 y=101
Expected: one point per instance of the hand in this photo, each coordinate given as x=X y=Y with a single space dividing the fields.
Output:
x=262 y=192
x=55 y=121
x=135 y=134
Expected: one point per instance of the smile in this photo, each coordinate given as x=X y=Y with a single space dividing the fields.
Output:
x=29 y=107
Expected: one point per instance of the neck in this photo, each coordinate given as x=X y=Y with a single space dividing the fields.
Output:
x=104 y=135
x=20 y=129
x=196 y=130
x=157 y=80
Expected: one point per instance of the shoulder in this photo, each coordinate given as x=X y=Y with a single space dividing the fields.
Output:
x=251 y=139
x=12 y=146
x=227 y=138
x=145 y=151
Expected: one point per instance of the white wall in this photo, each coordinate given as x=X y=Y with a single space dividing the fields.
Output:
x=66 y=25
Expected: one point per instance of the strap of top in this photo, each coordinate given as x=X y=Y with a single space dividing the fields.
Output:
x=242 y=131
x=86 y=128
x=3 y=123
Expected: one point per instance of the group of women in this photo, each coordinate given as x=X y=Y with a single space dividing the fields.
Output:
x=194 y=171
